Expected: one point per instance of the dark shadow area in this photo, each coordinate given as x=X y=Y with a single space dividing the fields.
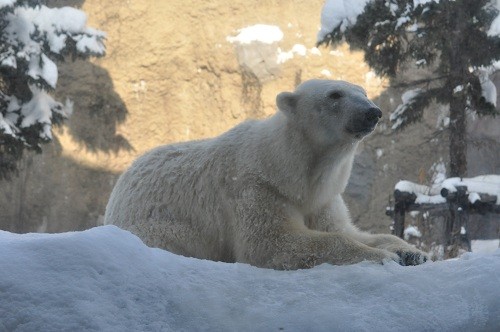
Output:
x=98 y=109
x=63 y=3
x=52 y=193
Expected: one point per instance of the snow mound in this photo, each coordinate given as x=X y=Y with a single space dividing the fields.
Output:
x=106 y=279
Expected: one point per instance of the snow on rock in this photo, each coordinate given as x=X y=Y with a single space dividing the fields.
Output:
x=263 y=33
x=326 y=73
x=339 y=13
x=106 y=279
x=297 y=49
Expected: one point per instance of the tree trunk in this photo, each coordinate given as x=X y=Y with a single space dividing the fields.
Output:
x=458 y=102
x=458 y=143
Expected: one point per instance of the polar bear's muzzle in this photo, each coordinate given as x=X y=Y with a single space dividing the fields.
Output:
x=364 y=122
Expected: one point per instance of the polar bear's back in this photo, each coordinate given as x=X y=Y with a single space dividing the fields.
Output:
x=172 y=196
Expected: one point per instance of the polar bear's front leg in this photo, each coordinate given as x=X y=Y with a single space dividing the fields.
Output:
x=271 y=233
x=335 y=218
x=306 y=249
x=408 y=253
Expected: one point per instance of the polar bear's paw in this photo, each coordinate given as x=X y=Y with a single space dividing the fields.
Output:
x=414 y=257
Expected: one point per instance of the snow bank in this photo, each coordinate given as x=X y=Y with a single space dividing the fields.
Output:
x=106 y=279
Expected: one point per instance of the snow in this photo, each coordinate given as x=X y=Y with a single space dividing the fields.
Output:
x=5 y=127
x=326 y=73
x=44 y=68
x=485 y=246
x=56 y=25
x=407 y=98
x=342 y=14
x=438 y=171
x=267 y=34
x=90 y=42
x=411 y=231
x=106 y=279
x=494 y=29
x=316 y=51
x=297 y=49
x=402 y=20
x=339 y=13
x=474 y=197
x=410 y=187
x=39 y=110
x=458 y=89
x=421 y=62
x=484 y=184
x=429 y=199
x=488 y=88
x=6 y=3
x=30 y=36
x=422 y=2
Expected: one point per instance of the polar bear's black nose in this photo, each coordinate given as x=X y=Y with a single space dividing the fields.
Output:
x=373 y=114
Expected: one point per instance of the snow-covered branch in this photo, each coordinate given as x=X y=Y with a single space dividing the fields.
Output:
x=32 y=38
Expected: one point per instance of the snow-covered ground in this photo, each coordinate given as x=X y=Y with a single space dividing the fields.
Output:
x=106 y=279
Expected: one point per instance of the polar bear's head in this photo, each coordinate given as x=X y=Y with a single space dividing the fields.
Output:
x=330 y=112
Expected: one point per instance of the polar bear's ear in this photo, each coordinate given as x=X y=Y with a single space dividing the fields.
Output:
x=287 y=102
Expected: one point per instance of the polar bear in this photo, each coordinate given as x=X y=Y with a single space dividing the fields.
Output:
x=267 y=192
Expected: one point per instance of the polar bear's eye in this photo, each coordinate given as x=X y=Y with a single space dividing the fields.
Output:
x=336 y=95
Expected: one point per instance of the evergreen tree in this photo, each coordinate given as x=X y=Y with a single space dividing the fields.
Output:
x=32 y=37
x=456 y=41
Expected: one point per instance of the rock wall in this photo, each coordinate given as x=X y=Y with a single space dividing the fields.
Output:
x=171 y=74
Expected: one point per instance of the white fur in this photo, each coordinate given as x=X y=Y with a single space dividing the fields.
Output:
x=267 y=192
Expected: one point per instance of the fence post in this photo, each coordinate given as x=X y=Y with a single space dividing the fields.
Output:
x=399 y=214
x=456 y=227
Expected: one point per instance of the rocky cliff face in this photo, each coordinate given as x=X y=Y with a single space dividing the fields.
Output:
x=172 y=74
